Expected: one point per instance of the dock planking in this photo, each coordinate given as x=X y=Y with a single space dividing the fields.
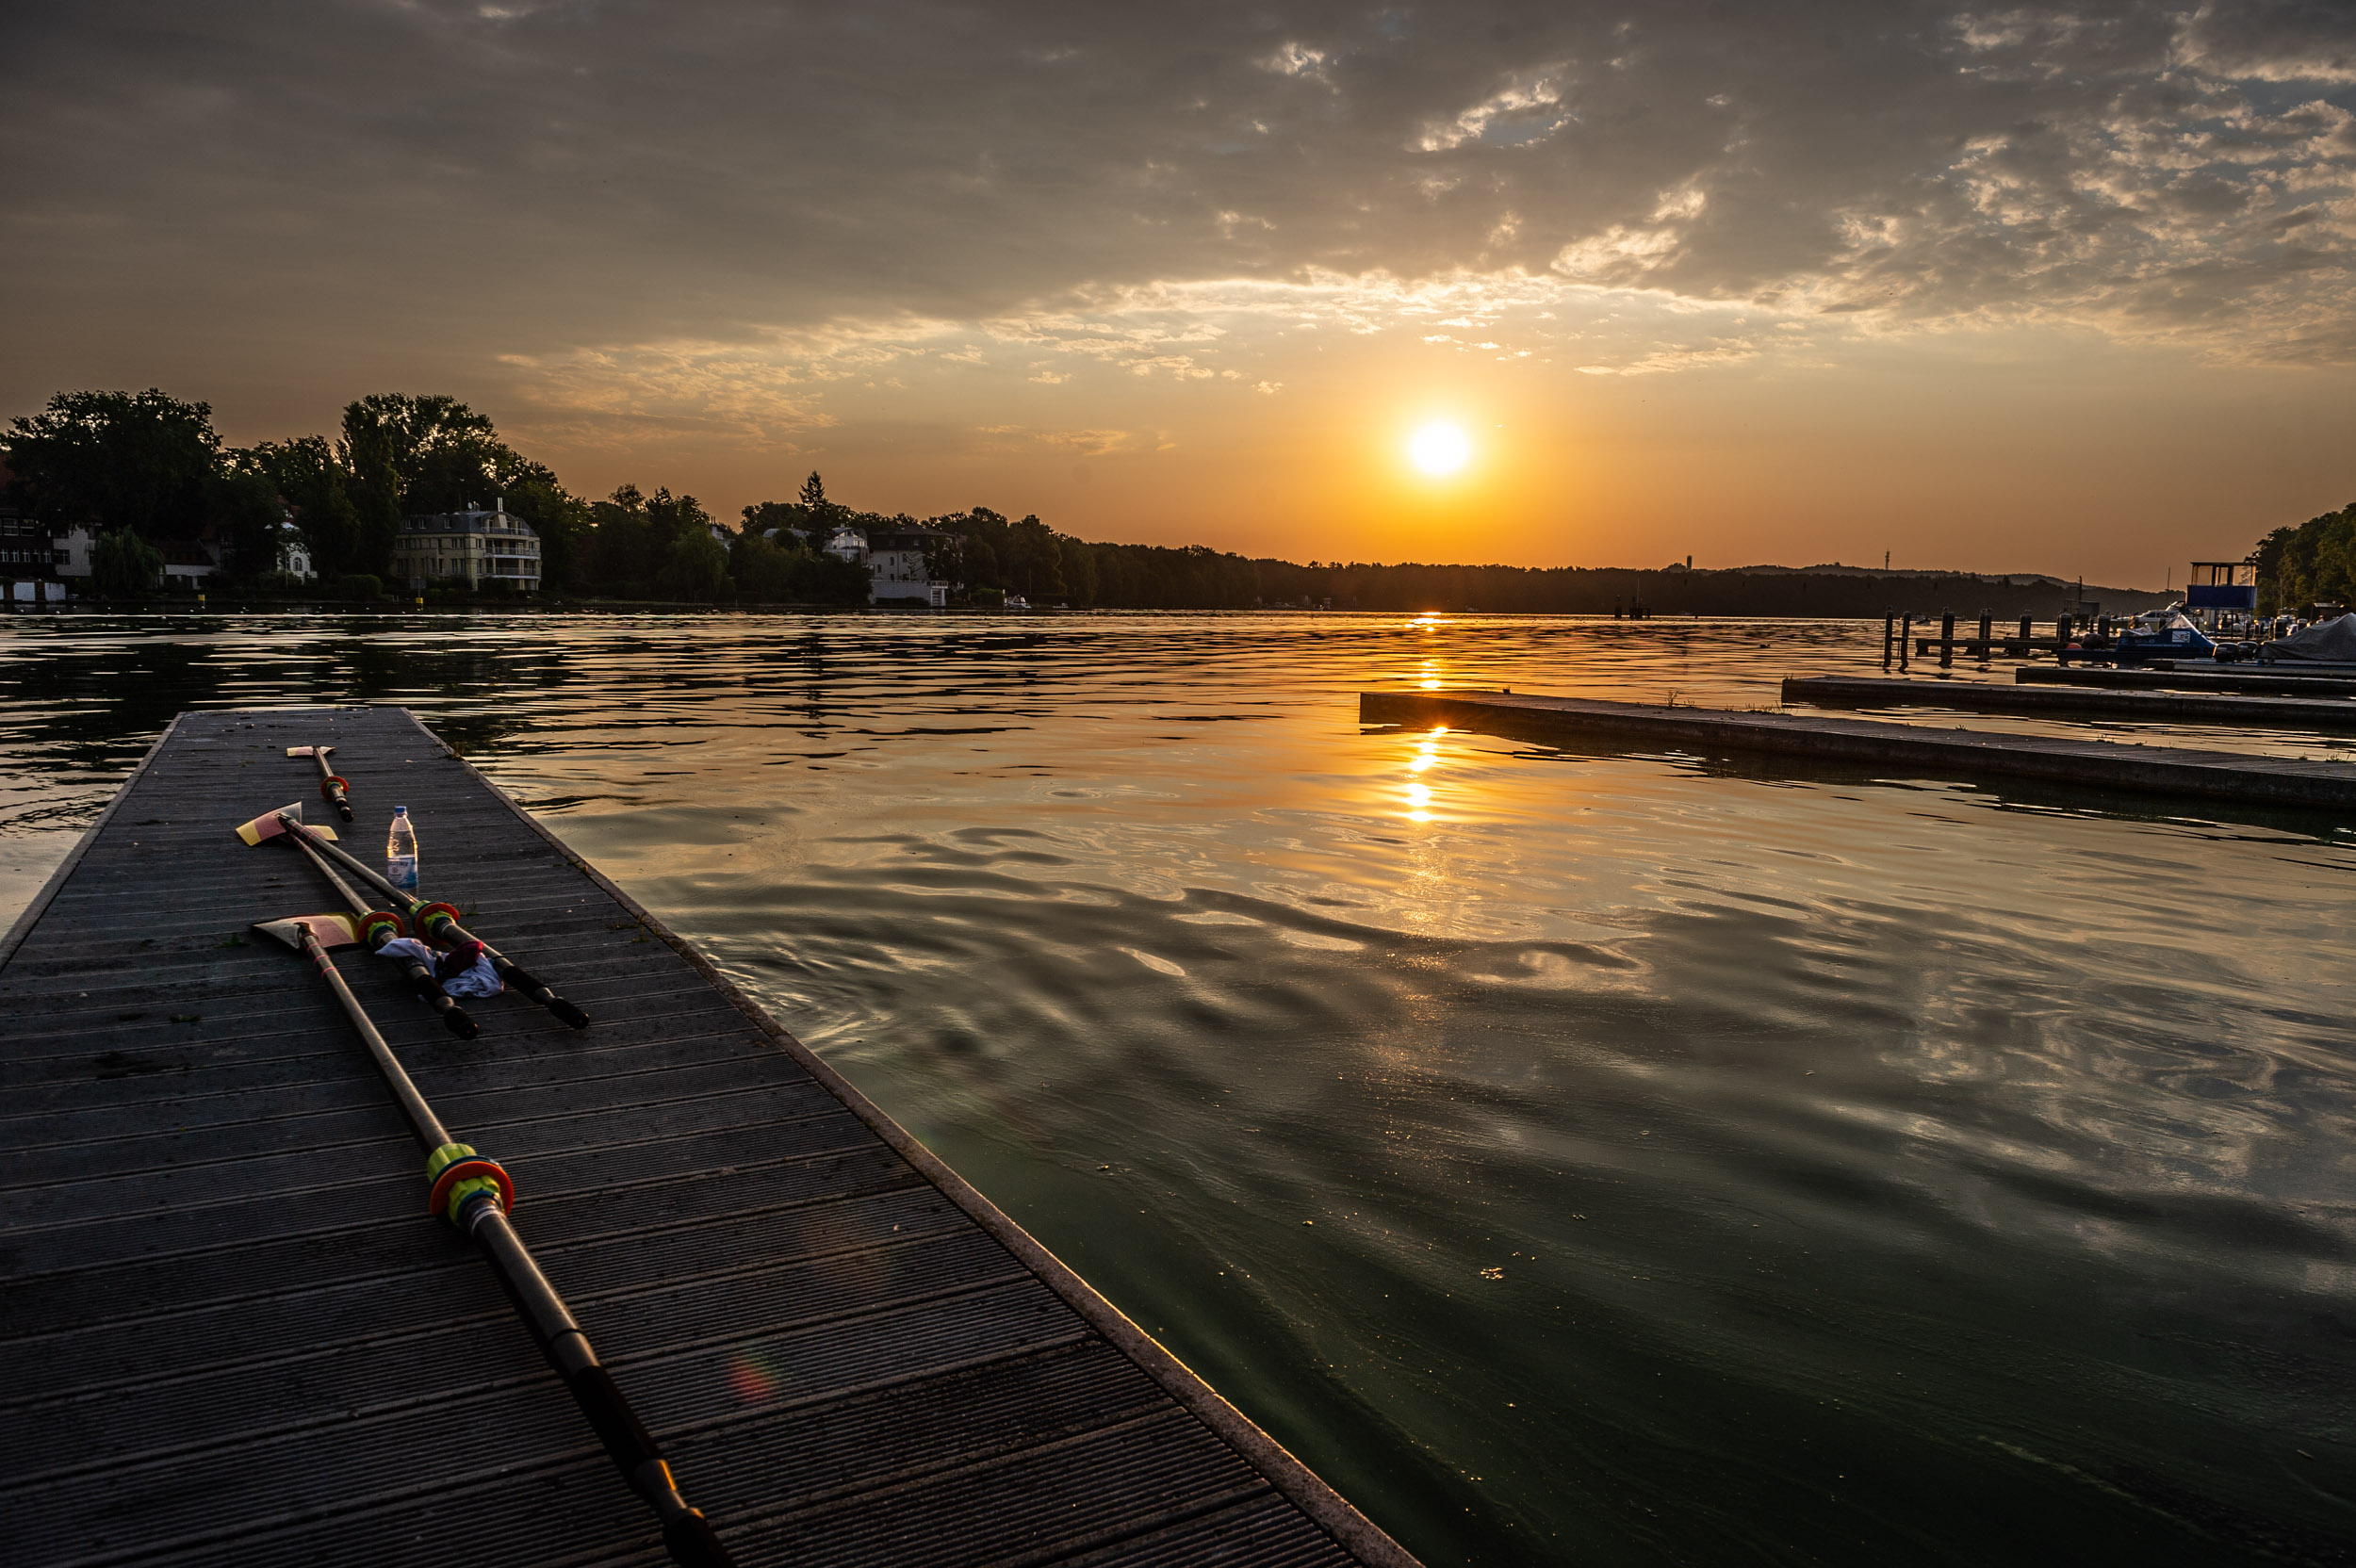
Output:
x=229 y=1332
x=2132 y=706
x=2245 y=682
x=1918 y=749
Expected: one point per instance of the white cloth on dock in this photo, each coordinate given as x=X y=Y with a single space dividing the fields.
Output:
x=481 y=980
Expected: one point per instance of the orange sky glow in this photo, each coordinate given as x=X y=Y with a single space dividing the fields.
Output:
x=2015 y=294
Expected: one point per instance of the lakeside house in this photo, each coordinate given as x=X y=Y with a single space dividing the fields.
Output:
x=27 y=548
x=481 y=547
x=897 y=572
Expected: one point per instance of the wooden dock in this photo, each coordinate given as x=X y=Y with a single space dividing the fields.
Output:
x=1914 y=749
x=230 y=1333
x=2253 y=681
x=2070 y=702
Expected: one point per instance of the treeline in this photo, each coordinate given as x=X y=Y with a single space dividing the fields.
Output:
x=142 y=469
x=1672 y=591
x=2312 y=563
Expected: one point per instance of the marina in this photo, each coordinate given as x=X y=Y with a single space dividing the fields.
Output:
x=234 y=1333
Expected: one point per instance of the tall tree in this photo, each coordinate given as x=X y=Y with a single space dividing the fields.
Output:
x=116 y=460
x=122 y=562
x=695 y=566
x=1033 y=559
x=561 y=521
x=374 y=484
x=248 y=519
x=443 y=454
x=310 y=482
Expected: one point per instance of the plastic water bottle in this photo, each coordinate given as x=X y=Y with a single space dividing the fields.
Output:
x=400 y=852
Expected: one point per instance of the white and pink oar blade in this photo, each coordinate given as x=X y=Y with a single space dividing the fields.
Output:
x=300 y=751
x=267 y=825
x=332 y=931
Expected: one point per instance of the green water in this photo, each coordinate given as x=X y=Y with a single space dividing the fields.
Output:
x=1573 y=1157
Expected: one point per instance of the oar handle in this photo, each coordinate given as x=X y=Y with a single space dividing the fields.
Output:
x=686 y=1533
x=454 y=1018
x=442 y=929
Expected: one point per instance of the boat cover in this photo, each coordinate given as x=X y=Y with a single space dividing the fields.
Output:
x=2326 y=641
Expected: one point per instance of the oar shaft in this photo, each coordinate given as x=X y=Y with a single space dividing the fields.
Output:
x=427 y=1127
x=686 y=1533
x=352 y=901
x=334 y=851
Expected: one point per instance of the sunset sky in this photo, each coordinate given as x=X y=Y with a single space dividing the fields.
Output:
x=2060 y=289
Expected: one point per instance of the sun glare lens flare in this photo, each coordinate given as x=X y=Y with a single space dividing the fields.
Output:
x=1439 y=448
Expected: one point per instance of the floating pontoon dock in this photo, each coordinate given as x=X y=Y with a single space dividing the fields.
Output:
x=1917 y=750
x=2069 y=702
x=2250 y=679
x=231 y=1334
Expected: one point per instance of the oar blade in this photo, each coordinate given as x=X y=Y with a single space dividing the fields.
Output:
x=300 y=751
x=329 y=931
x=267 y=825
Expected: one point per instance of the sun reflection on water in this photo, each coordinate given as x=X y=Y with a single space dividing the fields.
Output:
x=1418 y=792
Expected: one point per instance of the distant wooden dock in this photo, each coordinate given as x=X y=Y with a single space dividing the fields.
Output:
x=2069 y=702
x=2253 y=681
x=1914 y=749
x=230 y=1333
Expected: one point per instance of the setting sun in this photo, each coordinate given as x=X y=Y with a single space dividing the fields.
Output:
x=1439 y=448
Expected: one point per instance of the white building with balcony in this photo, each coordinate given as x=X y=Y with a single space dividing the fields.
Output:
x=478 y=546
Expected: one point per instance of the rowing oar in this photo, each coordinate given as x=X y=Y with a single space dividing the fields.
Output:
x=436 y=922
x=334 y=789
x=373 y=928
x=474 y=1193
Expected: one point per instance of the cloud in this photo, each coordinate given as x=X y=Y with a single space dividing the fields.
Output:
x=1082 y=443
x=546 y=180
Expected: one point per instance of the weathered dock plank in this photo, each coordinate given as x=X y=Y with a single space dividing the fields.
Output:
x=2134 y=707
x=230 y=1333
x=1919 y=750
x=2250 y=681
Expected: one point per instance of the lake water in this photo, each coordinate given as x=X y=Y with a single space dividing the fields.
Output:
x=1620 y=1159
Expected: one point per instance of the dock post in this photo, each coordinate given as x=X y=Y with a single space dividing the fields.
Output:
x=2102 y=627
x=1946 y=637
x=2061 y=633
x=1888 y=625
x=1905 y=639
x=2024 y=637
x=1987 y=632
